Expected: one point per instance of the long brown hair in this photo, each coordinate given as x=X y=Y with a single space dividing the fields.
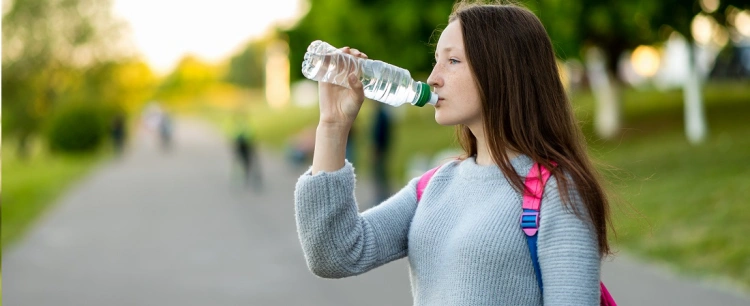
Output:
x=525 y=107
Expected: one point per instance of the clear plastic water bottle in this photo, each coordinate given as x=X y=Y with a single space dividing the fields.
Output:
x=381 y=81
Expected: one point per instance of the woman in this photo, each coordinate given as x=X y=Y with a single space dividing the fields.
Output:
x=497 y=80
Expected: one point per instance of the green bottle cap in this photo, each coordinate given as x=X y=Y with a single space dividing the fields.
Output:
x=425 y=94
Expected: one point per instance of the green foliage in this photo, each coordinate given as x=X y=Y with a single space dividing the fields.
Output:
x=397 y=32
x=403 y=32
x=78 y=128
x=678 y=14
x=48 y=49
x=49 y=32
x=122 y=85
x=246 y=69
x=192 y=77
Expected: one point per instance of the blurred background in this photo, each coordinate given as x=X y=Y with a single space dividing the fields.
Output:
x=661 y=89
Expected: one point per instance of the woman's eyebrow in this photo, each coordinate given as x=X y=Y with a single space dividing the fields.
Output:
x=446 y=49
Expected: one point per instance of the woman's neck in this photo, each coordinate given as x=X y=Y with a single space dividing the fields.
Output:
x=484 y=158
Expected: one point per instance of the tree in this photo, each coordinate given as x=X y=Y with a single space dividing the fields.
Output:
x=46 y=43
x=397 y=32
x=123 y=85
x=191 y=78
x=246 y=69
x=595 y=31
x=600 y=31
x=679 y=15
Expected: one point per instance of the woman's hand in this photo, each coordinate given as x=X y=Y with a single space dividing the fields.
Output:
x=339 y=105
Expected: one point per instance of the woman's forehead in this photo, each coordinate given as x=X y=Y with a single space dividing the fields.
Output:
x=451 y=39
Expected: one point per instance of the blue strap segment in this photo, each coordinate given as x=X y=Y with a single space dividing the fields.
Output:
x=531 y=241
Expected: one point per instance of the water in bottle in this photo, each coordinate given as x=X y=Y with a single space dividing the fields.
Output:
x=381 y=81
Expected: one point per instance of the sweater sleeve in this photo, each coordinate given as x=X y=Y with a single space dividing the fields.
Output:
x=568 y=251
x=336 y=239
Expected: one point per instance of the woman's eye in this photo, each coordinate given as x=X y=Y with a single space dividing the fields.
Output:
x=453 y=61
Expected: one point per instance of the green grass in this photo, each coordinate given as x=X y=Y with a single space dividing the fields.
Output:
x=681 y=204
x=692 y=199
x=30 y=186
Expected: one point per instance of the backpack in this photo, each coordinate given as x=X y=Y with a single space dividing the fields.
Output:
x=529 y=217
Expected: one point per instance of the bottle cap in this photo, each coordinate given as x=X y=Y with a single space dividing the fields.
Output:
x=425 y=95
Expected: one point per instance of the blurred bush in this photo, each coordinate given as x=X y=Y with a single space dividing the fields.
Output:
x=78 y=128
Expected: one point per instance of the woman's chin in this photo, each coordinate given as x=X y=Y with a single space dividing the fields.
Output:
x=441 y=120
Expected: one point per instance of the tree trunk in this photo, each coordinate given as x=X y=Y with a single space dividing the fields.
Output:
x=695 y=118
x=607 y=112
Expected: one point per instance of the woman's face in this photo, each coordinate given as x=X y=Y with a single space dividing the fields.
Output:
x=454 y=83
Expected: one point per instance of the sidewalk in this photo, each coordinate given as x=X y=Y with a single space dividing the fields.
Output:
x=632 y=282
x=175 y=228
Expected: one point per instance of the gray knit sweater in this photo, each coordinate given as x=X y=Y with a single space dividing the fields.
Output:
x=463 y=240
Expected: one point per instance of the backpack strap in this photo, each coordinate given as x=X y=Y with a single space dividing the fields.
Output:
x=532 y=201
x=422 y=184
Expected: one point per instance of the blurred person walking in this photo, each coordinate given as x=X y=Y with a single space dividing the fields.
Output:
x=244 y=148
x=118 y=133
x=166 y=130
x=157 y=122
x=498 y=82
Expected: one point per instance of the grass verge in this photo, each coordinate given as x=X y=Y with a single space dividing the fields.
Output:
x=31 y=185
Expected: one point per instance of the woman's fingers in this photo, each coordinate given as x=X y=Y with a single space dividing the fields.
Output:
x=357 y=53
x=353 y=51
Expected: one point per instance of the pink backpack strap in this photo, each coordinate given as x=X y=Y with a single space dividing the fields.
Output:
x=532 y=198
x=422 y=184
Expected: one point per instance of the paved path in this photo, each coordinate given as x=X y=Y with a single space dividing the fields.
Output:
x=175 y=228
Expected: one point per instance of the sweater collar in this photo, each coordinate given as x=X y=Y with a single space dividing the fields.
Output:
x=469 y=168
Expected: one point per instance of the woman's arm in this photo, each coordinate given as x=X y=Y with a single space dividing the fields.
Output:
x=568 y=252
x=336 y=239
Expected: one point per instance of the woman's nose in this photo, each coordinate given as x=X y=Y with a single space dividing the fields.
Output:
x=434 y=80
